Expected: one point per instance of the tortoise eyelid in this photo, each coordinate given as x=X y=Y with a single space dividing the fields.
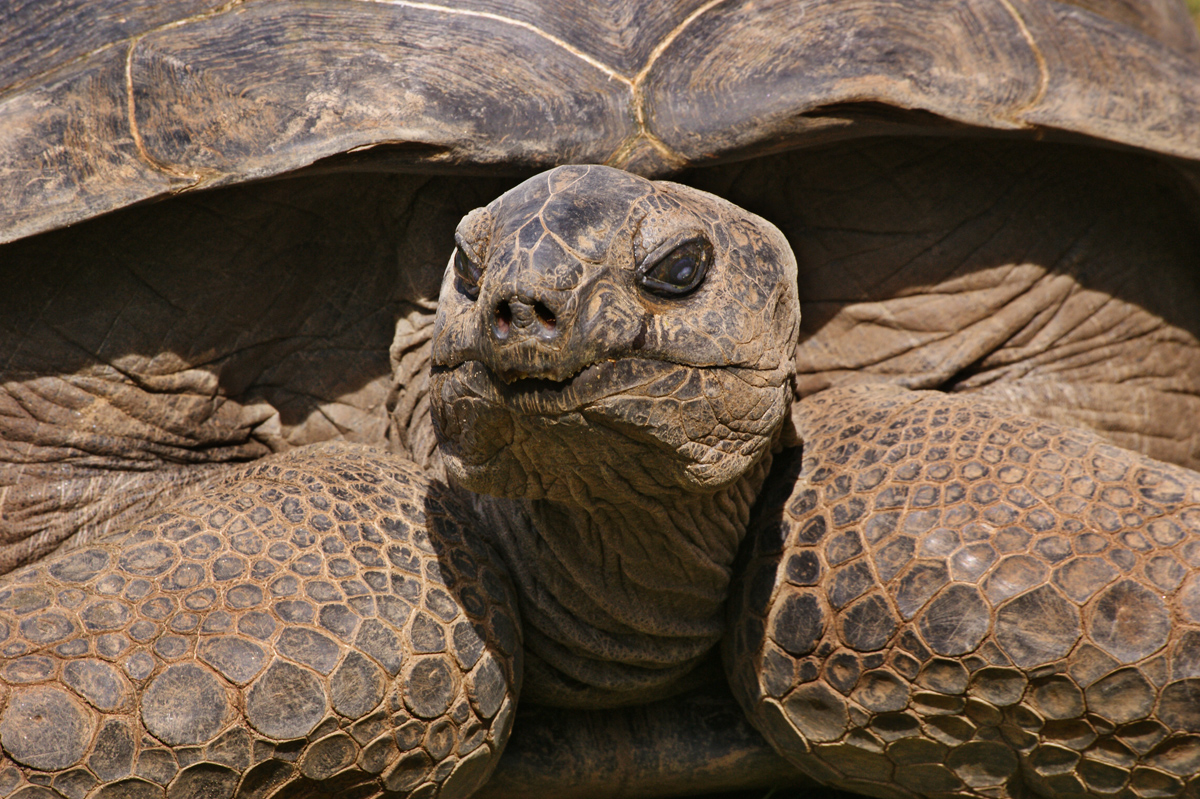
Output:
x=694 y=252
x=666 y=246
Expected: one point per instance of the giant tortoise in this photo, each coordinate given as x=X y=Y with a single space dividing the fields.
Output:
x=276 y=521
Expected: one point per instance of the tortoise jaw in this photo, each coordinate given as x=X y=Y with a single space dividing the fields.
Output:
x=589 y=383
x=521 y=380
x=544 y=396
x=533 y=385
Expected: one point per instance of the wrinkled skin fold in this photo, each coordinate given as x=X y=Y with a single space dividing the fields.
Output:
x=957 y=626
x=621 y=557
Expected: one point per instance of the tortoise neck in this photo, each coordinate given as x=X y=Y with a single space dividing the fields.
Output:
x=621 y=599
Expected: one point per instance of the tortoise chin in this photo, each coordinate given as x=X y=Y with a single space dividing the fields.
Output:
x=651 y=424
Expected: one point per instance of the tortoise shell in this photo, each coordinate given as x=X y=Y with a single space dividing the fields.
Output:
x=107 y=104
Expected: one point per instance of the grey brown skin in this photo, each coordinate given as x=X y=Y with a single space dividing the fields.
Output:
x=952 y=287
x=956 y=599
x=635 y=432
x=151 y=352
x=380 y=603
x=944 y=596
x=332 y=620
x=935 y=167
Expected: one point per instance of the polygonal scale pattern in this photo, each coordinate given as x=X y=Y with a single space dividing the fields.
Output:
x=945 y=598
x=322 y=621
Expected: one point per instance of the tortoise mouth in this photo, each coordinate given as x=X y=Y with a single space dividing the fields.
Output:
x=535 y=385
x=540 y=396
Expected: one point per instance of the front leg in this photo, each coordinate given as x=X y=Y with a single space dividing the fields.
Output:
x=320 y=622
x=946 y=598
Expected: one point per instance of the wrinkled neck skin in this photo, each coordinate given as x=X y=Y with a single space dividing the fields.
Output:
x=622 y=592
x=614 y=355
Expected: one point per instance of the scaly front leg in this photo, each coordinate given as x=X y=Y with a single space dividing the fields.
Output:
x=947 y=598
x=320 y=622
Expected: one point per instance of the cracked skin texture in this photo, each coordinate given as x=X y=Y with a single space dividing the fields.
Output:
x=317 y=621
x=160 y=349
x=1150 y=767
x=621 y=557
x=125 y=391
x=949 y=598
x=135 y=363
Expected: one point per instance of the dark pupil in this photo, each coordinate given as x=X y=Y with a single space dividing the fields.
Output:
x=682 y=270
x=468 y=274
x=466 y=270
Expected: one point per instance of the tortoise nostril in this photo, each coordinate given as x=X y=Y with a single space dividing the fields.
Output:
x=503 y=319
x=517 y=317
x=545 y=316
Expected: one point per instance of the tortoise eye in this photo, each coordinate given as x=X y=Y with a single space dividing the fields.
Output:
x=680 y=271
x=468 y=273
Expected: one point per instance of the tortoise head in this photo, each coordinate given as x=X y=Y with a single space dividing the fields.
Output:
x=597 y=329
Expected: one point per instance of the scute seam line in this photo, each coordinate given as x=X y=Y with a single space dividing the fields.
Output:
x=461 y=12
x=1043 y=71
x=195 y=178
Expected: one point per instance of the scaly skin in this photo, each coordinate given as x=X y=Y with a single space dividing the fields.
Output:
x=941 y=596
x=954 y=599
x=318 y=622
x=627 y=430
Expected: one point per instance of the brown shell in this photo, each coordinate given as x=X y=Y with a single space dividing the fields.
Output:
x=104 y=104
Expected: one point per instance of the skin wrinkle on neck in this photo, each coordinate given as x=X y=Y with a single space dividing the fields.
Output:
x=627 y=466
x=650 y=539
x=598 y=612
